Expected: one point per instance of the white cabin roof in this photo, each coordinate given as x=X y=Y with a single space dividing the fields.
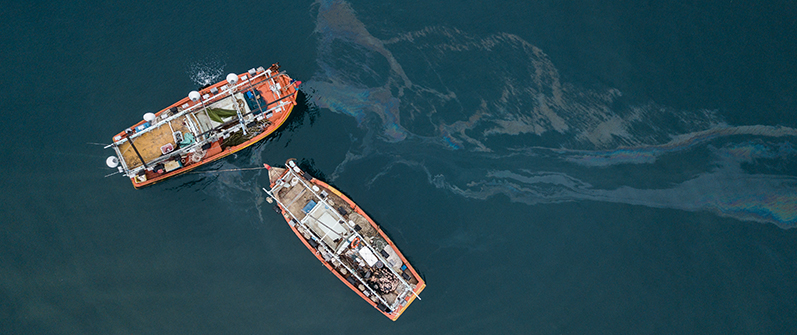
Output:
x=324 y=223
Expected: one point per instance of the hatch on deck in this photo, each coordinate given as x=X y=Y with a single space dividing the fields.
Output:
x=323 y=221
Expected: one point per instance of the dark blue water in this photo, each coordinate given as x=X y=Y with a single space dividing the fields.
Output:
x=555 y=167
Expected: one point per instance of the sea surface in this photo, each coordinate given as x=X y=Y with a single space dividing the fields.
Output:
x=549 y=167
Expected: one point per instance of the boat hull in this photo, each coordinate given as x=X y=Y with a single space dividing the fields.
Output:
x=419 y=285
x=209 y=158
x=209 y=124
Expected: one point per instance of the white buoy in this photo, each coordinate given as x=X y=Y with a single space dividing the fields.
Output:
x=232 y=78
x=112 y=162
x=194 y=96
x=149 y=117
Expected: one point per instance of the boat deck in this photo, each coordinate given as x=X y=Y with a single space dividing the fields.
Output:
x=346 y=240
x=296 y=198
x=149 y=144
x=190 y=133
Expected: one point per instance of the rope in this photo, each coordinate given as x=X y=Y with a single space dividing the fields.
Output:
x=228 y=170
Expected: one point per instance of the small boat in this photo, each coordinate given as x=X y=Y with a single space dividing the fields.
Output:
x=345 y=239
x=209 y=124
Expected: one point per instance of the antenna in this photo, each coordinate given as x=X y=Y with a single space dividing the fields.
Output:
x=196 y=96
x=232 y=78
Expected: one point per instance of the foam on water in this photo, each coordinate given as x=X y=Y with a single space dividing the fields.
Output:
x=206 y=72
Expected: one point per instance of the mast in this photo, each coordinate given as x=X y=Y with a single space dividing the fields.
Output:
x=256 y=94
x=128 y=131
x=195 y=96
x=340 y=217
x=232 y=78
x=192 y=108
x=332 y=254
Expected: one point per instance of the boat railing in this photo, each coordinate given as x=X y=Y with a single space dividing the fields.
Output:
x=132 y=172
x=340 y=217
x=226 y=124
x=332 y=254
x=222 y=95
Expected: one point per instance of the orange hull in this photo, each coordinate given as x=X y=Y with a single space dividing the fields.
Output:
x=149 y=144
x=421 y=284
x=220 y=154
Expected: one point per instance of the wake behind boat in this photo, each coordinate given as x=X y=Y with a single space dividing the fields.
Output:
x=345 y=239
x=209 y=124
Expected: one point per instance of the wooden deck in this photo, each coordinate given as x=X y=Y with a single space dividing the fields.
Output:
x=149 y=144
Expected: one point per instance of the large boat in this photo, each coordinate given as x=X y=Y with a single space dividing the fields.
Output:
x=209 y=124
x=345 y=239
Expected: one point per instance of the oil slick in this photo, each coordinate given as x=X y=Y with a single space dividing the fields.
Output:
x=528 y=135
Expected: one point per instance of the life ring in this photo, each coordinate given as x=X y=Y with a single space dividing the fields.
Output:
x=355 y=242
